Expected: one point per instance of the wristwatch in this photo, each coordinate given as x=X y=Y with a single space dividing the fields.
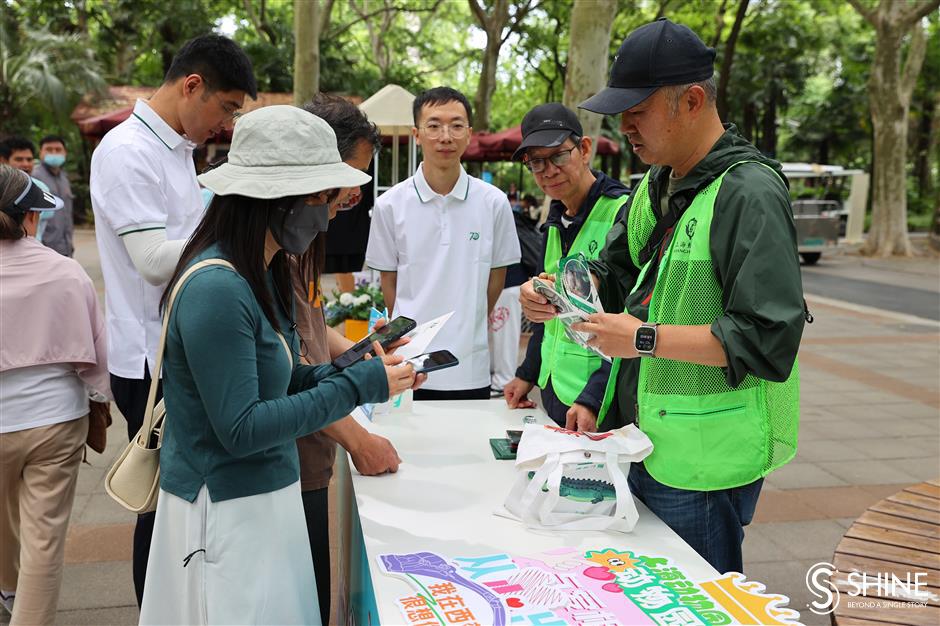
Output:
x=645 y=339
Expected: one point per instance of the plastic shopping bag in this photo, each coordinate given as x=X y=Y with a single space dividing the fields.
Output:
x=576 y=481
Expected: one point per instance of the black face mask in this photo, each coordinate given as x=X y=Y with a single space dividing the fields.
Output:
x=295 y=224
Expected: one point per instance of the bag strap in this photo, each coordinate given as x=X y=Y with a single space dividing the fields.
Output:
x=155 y=375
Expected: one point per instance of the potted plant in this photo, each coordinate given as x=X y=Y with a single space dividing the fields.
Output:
x=352 y=307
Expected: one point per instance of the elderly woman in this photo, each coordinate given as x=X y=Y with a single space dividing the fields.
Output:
x=52 y=360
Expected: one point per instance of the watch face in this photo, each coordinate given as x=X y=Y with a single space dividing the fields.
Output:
x=645 y=339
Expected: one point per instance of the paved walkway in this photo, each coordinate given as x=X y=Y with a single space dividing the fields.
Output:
x=870 y=425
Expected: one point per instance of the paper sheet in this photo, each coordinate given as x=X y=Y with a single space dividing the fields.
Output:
x=422 y=336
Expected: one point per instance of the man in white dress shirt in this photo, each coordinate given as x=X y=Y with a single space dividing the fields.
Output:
x=147 y=202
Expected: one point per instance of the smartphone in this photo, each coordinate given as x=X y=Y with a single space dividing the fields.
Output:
x=432 y=361
x=388 y=334
x=514 y=437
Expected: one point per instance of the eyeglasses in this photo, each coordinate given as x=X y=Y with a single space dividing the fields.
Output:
x=559 y=159
x=230 y=112
x=434 y=130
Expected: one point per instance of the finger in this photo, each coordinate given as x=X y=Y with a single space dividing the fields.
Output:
x=525 y=403
x=377 y=347
x=393 y=359
x=380 y=323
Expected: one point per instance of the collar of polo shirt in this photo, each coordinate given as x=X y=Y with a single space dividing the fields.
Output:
x=163 y=131
x=425 y=194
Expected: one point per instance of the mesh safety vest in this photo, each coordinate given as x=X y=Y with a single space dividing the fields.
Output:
x=568 y=364
x=706 y=435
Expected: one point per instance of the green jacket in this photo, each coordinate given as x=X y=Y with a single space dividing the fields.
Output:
x=235 y=404
x=753 y=248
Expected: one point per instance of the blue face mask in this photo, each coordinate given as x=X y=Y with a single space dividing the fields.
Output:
x=54 y=160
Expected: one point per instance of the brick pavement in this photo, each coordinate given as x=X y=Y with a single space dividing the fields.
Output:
x=870 y=426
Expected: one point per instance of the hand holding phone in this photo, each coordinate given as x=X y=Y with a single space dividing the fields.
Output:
x=386 y=335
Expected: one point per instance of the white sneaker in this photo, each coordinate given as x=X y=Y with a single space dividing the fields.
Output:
x=6 y=599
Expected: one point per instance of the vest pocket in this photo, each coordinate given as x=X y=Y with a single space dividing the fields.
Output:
x=704 y=449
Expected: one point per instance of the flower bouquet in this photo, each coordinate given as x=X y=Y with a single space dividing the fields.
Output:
x=353 y=308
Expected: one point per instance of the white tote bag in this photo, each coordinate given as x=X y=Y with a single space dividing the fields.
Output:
x=576 y=481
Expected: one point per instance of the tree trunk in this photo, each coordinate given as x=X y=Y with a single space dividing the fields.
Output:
x=889 y=91
x=591 y=21
x=727 y=57
x=922 y=139
x=768 y=138
x=492 y=22
x=306 y=50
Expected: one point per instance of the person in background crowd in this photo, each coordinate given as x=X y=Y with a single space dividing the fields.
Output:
x=53 y=362
x=146 y=203
x=584 y=205
x=513 y=196
x=705 y=269
x=230 y=544
x=442 y=241
x=357 y=139
x=19 y=153
x=58 y=228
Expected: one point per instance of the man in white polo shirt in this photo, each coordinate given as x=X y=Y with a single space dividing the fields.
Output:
x=147 y=202
x=442 y=241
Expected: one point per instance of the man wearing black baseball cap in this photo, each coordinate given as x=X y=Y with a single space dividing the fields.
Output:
x=705 y=268
x=584 y=206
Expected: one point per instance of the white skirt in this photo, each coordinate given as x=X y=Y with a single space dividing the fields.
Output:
x=240 y=561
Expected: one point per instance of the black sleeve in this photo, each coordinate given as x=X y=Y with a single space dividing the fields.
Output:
x=614 y=269
x=532 y=364
x=753 y=247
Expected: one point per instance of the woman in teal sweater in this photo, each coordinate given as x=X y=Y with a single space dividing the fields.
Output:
x=230 y=544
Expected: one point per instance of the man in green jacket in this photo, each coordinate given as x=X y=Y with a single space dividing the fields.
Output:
x=705 y=268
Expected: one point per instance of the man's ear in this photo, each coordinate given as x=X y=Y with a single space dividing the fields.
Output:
x=694 y=100
x=586 y=144
x=191 y=84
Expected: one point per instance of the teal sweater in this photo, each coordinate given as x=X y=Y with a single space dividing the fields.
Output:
x=235 y=403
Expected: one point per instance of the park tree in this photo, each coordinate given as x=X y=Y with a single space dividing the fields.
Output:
x=586 y=73
x=499 y=19
x=310 y=20
x=891 y=85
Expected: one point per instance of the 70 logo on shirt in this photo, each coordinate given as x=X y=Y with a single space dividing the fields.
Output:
x=474 y=236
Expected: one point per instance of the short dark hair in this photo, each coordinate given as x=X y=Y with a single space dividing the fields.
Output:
x=219 y=60
x=13 y=144
x=348 y=122
x=52 y=139
x=441 y=95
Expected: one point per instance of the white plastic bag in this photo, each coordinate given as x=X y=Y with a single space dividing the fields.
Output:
x=576 y=481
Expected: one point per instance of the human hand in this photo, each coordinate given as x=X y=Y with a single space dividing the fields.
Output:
x=581 y=419
x=516 y=393
x=400 y=375
x=535 y=306
x=395 y=344
x=375 y=455
x=613 y=333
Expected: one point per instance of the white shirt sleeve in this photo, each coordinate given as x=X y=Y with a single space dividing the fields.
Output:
x=131 y=194
x=154 y=257
x=505 y=241
x=381 y=253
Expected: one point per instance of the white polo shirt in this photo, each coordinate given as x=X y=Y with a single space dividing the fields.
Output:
x=443 y=248
x=142 y=177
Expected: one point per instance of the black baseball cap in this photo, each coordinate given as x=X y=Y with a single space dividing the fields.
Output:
x=547 y=126
x=32 y=198
x=655 y=55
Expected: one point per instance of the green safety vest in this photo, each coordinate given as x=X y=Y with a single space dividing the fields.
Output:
x=568 y=364
x=706 y=435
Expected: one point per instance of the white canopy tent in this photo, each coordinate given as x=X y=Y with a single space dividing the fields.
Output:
x=390 y=109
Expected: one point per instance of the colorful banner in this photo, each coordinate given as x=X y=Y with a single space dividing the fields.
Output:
x=565 y=586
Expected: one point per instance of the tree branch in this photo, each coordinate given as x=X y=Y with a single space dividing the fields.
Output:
x=916 y=11
x=260 y=25
x=865 y=12
x=914 y=62
x=365 y=16
x=325 y=12
x=479 y=13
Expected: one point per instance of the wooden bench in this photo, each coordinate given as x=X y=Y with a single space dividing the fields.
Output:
x=901 y=536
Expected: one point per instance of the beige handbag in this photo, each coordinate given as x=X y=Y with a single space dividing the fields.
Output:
x=134 y=479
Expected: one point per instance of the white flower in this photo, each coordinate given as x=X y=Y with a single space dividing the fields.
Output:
x=363 y=299
x=346 y=299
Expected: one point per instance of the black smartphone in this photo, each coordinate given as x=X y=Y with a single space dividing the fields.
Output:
x=388 y=334
x=515 y=436
x=432 y=361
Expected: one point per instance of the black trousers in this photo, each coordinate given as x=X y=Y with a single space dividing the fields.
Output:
x=130 y=396
x=483 y=393
x=316 y=510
